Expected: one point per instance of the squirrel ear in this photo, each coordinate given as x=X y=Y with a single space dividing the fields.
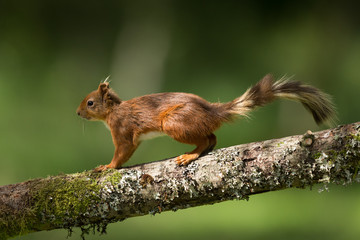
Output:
x=108 y=95
x=112 y=97
x=103 y=88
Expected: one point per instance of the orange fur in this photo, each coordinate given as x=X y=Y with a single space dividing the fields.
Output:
x=167 y=113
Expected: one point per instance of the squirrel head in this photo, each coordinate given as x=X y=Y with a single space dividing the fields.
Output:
x=99 y=103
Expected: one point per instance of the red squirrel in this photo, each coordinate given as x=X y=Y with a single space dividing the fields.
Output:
x=186 y=117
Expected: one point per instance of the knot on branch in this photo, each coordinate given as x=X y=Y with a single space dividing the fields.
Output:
x=308 y=139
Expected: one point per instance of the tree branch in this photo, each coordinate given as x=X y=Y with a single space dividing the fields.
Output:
x=96 y=199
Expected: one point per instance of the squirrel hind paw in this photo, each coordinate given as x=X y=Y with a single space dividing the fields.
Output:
x=185 y=159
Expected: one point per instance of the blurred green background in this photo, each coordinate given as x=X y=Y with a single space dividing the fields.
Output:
x=52 y=53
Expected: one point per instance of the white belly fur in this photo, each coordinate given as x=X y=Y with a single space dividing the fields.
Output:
x=150 y=135
x=106 y=125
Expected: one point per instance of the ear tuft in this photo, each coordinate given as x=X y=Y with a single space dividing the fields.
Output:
x=107 y=80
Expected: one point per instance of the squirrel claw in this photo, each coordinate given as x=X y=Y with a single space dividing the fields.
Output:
x=100 y=168
x=185 y=159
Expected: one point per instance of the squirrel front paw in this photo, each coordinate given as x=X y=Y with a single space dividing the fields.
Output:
x=101 y=168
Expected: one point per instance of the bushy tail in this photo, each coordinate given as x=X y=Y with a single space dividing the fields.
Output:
x=267 y=90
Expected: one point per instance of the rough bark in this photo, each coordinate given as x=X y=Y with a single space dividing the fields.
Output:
x=91 y=199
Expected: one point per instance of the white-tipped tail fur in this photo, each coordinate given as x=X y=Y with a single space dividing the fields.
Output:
x=267 y=90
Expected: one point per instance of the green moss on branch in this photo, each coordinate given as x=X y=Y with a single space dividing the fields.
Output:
x=66 y=200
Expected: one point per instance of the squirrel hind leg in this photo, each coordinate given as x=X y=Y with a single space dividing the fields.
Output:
x=212 y=142
x=203 y=146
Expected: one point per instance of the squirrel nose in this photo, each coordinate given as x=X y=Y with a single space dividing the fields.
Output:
x=78 y=112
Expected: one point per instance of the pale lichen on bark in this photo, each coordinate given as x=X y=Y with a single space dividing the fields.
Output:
x=94 y=200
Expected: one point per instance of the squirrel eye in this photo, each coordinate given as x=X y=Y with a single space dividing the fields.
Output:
x=90 y=103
